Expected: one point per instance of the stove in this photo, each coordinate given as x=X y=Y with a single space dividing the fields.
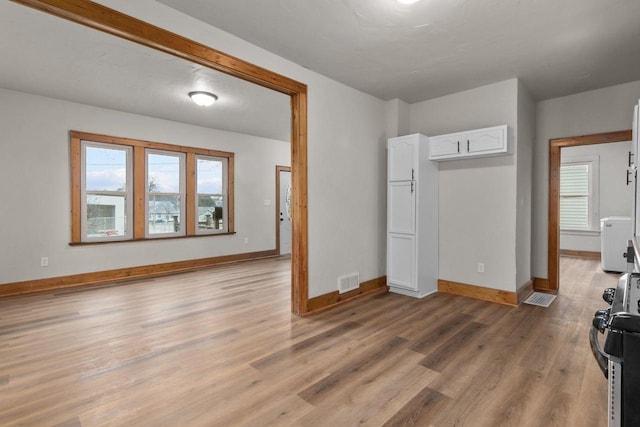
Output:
x=620 y=358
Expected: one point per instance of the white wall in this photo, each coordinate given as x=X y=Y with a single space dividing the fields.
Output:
x=615 y=196
x=603 y=110
x=477 y=197
x=346 y=156
x=36 y=188
x=397 y=112
x=524 y=155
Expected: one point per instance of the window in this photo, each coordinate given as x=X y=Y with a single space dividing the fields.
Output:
x=106 y=192
x=211 y=194
x=165 y=193
x=578 y=194
x=126 y=189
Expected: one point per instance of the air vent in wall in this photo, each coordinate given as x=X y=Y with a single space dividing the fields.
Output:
x=348 y=282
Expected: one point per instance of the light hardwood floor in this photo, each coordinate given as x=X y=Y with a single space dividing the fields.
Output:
x=218 y=347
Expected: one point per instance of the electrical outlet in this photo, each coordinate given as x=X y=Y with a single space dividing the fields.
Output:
x=480 y=267
x=44 y=261
x=246 y=240
x=267 y=202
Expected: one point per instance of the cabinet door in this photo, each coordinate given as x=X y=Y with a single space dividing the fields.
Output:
x=402 y=159
x=401 y=261
x=401 y=203
x=486 y=141
x=445 y=146
x=635 y=139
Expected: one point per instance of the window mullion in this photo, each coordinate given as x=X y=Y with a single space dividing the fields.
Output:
x=191 y=198
x=139 y=188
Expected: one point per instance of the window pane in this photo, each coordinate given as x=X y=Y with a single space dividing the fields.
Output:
x=209 y=173
x=210 y=213
x=105 y=169
x=163 y=173
x=164 y=213
x=574 y=180
x=574 y=212
x=106 y=215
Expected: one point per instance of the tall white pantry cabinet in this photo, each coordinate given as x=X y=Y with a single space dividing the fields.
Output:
x=412 y=217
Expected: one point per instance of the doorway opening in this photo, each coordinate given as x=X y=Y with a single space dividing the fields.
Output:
x=552 y=284
x=283 y=210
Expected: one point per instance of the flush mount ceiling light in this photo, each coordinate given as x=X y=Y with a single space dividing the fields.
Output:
x=203 y=99
x=408 y=1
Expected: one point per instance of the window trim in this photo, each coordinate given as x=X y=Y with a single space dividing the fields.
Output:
x=593 y=197
x=139 y=185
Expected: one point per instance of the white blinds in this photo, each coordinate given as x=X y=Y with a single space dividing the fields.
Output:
x=574 y=196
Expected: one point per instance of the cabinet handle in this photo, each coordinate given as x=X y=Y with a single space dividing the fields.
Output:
x=628 y=173
x=458 y=146
x=630 y=156
x=467 y=145
x=412 y=186
x=412 y=171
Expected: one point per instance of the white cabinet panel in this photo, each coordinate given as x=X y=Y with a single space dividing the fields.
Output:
x=402 y=207
x=402 y=159
x=487 y=141
x=401 y=268
x=444 y=146
x=491 y=141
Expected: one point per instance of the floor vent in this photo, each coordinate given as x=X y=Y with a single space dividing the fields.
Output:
x=540 y=299
x=349 y=282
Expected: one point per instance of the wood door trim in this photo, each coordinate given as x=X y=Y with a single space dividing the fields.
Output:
x=121 y=25
x=553 y=246
x=278 y=170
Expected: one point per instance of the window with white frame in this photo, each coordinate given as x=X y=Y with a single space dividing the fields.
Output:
x=579 y=194
x=106 y=192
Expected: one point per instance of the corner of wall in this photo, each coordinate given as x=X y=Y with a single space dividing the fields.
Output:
x=397 y=116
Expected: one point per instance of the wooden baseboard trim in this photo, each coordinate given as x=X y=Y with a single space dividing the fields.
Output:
x=332 y=299
x=580 y=254
x=542 y=285
x=121 y=274
x=478 y=292
x=525 y=291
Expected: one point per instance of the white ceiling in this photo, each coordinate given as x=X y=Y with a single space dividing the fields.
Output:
x=68 y=61
x=437 y=47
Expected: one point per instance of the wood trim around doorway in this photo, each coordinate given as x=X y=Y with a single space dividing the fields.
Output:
x=108 y=20
x=278 y=170
x=553 y=248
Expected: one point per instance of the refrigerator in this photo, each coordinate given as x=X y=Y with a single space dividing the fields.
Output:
x=615 y=231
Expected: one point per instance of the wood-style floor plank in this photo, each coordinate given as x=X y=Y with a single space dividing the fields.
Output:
x=218 y=347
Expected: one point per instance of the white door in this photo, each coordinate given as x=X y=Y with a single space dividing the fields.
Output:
x=402 y=159
x=284 y=212
x=401 y=207
x=401 y=261
x=485 y=141
x=445 y=146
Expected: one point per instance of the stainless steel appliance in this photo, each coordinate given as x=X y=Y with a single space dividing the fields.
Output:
x=620 y=359
x=620 y=323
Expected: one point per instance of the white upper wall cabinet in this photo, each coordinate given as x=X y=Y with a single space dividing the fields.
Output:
x=491 y=141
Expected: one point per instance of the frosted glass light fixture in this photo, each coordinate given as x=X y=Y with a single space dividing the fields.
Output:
x=408 y=1
x=203 y=99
